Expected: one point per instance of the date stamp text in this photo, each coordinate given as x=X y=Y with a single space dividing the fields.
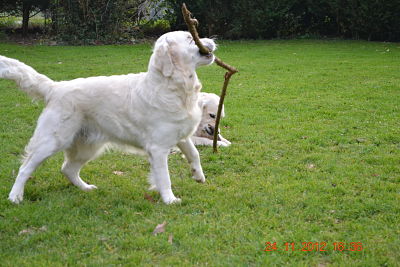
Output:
x=313 y=246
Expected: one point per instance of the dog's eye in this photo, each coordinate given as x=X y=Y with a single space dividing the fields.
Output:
x=212 y=115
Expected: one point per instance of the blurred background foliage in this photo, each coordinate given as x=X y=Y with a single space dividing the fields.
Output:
x=125 y=21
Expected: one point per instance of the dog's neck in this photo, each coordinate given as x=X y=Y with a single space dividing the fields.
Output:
x=180 y=90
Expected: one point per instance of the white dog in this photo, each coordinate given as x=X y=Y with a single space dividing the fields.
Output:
x=149 y=112
x=204 y=135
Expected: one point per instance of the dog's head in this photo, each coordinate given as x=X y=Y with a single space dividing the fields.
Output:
x=177 y=53
x=209 y=105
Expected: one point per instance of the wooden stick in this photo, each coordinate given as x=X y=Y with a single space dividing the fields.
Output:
x=192 y=23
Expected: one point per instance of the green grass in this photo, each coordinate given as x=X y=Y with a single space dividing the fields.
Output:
x=315 y=158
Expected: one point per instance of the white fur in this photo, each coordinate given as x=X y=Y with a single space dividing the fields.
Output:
x=149 y=112
x=204 y=134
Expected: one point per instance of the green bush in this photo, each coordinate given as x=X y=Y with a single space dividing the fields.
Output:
x=155 y=28
x=91 y=22
x=13 y=24
x=8 y=22
x=264 y=19
x=115 y=21
x=103 y=21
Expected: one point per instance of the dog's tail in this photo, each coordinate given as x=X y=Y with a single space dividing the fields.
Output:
x=29 y=80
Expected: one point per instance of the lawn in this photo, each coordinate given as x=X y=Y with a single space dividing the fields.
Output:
x=315 y=127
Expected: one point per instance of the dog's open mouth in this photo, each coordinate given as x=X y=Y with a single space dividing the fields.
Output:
x=208 y=55
x=210 y=51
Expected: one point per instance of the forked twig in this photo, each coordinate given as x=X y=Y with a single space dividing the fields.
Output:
x=192 y=23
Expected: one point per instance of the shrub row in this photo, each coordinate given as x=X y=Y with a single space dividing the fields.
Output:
x=113 y=21
x=265 y=19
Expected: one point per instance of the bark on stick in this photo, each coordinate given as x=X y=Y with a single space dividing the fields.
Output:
x=192 y=24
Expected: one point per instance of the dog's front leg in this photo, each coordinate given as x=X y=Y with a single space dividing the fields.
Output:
x=160 y=174
x=189 y=150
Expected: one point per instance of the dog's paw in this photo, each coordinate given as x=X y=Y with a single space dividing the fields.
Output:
x=200 y=179
x=223 y=144
x=228 y=143
x=15 y=198
x=172 y=200
x=176 y=200
x=89 y=187
x=198 y=176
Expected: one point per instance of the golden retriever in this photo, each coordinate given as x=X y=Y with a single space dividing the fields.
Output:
x=204 y=135
x=149 y=112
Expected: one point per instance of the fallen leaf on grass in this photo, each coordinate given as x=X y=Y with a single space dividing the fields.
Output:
x=33 y=230
x=103 y=238
x=108 y=247
x=170 y=237
x=149 y=198
x=26 y=231
x=160 y=228
x=119 y=173
x=361 y=140
x=310 y=166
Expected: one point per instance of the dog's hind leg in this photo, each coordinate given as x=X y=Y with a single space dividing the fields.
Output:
x=192 y=155
x=158 y=158
x=75 y=157
x=47 y=139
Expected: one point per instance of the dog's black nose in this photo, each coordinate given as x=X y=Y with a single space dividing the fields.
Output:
x=210 y=129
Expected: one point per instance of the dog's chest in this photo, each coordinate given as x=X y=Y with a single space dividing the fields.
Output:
x=189 y=123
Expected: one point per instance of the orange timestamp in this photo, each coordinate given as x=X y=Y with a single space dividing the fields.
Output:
x=314 y=246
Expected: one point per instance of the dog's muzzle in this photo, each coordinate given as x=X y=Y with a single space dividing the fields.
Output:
x=210 y=46
x=209 y=129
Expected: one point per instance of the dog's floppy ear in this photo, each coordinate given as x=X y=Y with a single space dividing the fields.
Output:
x=202 y=103
x=164 y=58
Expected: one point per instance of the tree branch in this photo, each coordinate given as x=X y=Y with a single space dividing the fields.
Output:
x=192 y=24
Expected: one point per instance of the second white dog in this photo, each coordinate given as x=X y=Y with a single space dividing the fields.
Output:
x=149 y=112
x=204 y=135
